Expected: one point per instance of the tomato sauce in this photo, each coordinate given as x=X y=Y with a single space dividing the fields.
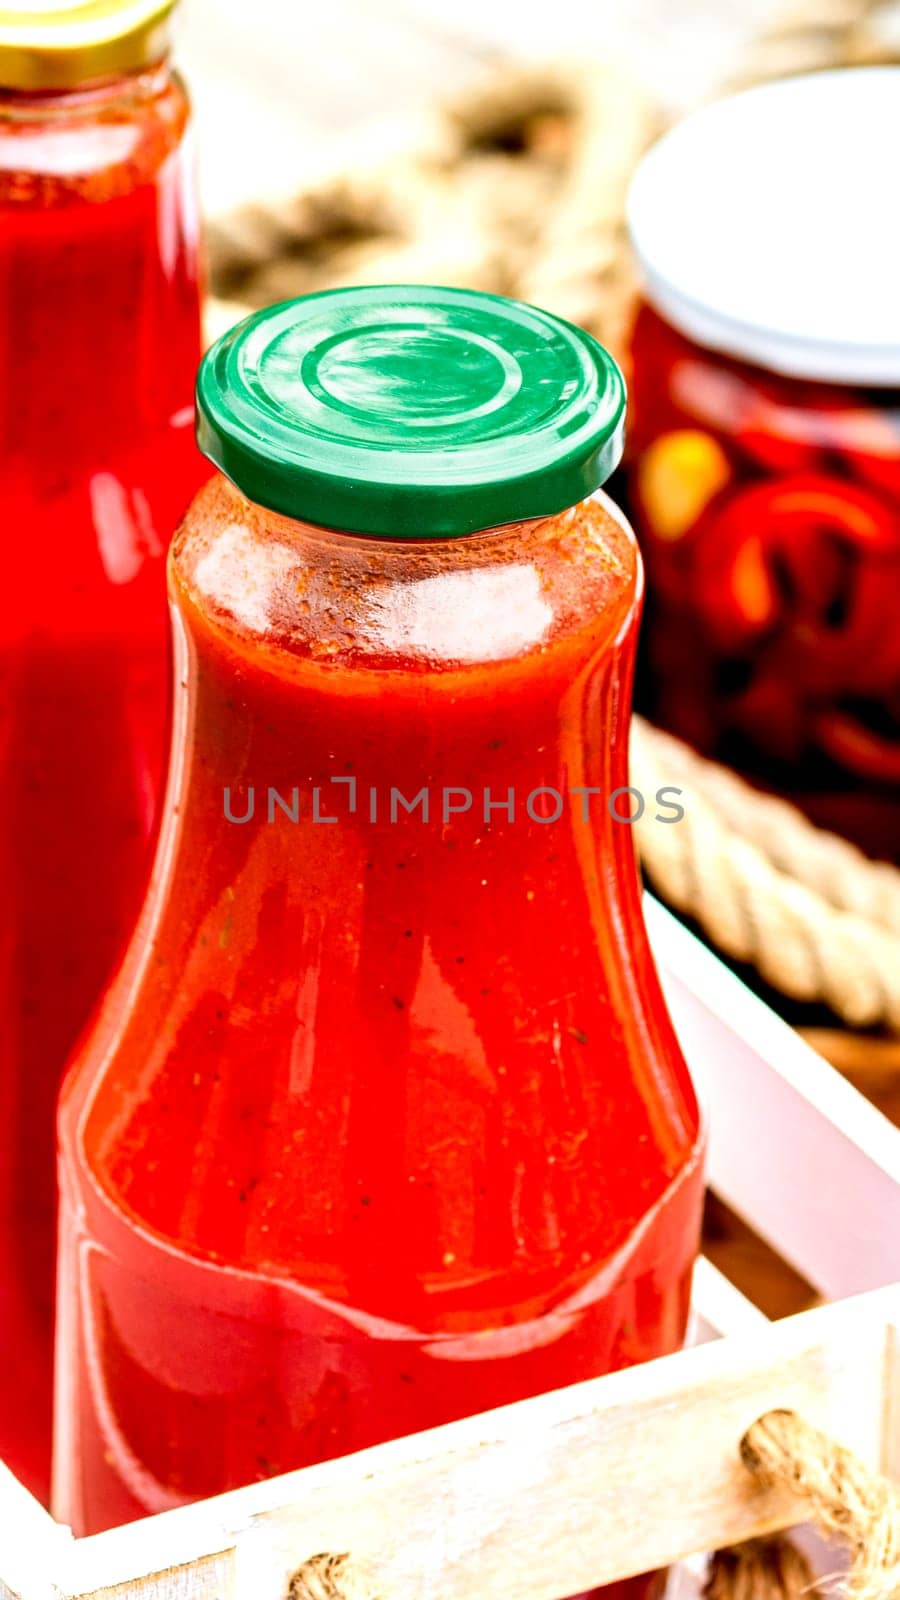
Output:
x=99 y=338
x=381 y=1138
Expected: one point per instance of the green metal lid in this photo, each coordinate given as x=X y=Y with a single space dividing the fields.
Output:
x=410 y=412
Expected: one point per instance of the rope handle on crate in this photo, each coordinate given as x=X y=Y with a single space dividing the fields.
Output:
x=846 y=1499
x=331 y=1578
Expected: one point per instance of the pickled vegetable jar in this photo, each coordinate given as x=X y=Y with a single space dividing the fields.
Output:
x=765 y=466
x=383 y=1121
x=99 y=341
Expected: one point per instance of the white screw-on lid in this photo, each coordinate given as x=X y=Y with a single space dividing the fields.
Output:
x=768 y=225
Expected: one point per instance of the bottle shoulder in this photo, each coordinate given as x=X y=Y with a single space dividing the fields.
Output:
x=275 y=589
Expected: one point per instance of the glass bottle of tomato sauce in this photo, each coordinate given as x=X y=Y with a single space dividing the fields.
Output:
x=99 y=341
x=383 y=1121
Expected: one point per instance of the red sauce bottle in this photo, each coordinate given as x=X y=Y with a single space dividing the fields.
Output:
x=99 y=340
x=384 y=1121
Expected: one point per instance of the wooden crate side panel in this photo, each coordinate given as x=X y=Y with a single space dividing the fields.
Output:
x=542 y=1499
x=803 y=1157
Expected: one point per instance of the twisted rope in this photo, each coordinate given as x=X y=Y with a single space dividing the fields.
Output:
x=327 y=1577
x=517 y=188
x=761 y=1569
x=816 y=919
x=847 y=1501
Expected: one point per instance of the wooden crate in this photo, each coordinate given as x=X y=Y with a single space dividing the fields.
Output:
x=608 y=1478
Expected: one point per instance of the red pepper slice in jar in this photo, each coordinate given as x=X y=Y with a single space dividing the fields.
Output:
x=869 y=755
x=868 y=441
x=776 y=433
x=799 y=553
x=791 y=429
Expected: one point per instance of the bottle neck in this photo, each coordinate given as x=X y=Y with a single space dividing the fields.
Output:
x=505 y=744
x=100 y=295
x=91 y=96
x=344 y=703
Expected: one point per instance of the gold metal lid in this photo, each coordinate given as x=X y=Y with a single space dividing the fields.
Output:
x=59 y=44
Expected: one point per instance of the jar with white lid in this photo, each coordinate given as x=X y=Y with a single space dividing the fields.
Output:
x=765 y=439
